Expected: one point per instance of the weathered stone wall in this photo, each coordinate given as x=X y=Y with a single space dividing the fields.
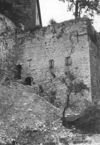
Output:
x=9 y=48
x=58 y=42
x=66 y=46
x=66 y=41
x=94 y=47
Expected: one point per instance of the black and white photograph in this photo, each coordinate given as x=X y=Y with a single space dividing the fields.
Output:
x=49 y=72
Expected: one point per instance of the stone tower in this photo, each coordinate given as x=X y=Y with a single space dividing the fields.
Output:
x=22 y=12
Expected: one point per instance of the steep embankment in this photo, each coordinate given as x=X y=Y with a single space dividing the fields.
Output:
x=28 y=119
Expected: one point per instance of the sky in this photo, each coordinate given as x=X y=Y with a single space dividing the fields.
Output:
x=57 y=10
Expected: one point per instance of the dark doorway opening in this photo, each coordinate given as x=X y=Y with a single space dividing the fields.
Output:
x=28 y=81
x=18 y=71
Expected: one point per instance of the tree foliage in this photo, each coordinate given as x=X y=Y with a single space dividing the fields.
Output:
x=90 y=6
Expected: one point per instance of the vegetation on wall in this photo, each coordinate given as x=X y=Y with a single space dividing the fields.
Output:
x=72 y=87
x=52 y=22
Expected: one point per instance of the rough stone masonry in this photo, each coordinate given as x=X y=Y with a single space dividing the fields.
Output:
x=49 y=54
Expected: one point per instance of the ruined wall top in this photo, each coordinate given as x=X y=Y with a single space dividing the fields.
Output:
x=75 y=27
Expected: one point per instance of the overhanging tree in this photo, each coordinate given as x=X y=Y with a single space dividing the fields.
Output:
x=90 y=6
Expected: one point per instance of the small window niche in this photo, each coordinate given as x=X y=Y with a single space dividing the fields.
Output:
x=51 y=67
x=68 y=61
x=51 y=64
x=18 y=71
